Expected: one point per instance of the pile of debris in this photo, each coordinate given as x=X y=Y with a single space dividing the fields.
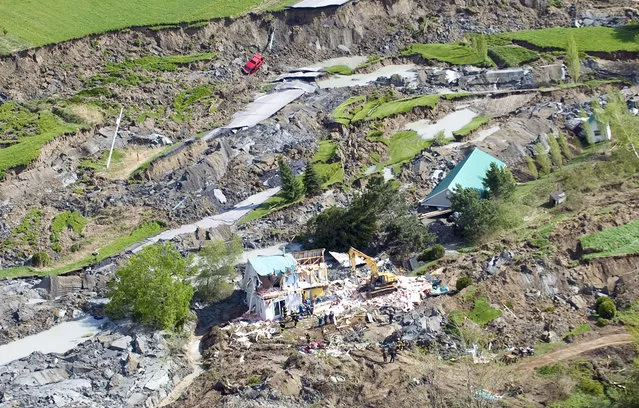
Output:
x=119 y=367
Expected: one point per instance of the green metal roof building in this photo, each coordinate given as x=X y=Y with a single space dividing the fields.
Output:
x=470 y=172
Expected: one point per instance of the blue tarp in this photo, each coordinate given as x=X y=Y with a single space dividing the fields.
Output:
x=273 y=265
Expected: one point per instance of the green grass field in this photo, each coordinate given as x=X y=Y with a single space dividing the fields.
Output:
x=330 y=173
x=24 y=132
x=405 y=145
x=623 y=240
x=342 y=113
x=454 y=54
x=146 y=230
x=511 y=55
x=339 y=69
x=603 y=39
x=404 y=105
x=474 y=124
x=30 y=23
x=359 y=109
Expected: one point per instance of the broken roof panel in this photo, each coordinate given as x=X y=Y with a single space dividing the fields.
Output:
x=319 y=3
x=273 y=265
x=263 y=108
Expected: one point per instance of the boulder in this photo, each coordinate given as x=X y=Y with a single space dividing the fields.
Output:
x=123 y=343
x=131 y=364
x=287 y=383
x=141 y=345
x=42 y=377
x=159 y=380
x=61 y=285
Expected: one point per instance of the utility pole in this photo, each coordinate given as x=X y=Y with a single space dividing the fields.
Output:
x=115 y=134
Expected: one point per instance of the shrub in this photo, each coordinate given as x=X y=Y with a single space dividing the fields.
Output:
x=590 y=386
x=434 y=253
x=607 y=309
x=440 y=139
x=253 y=381
x=463 y=282
x=40 y=259
x=602 y=322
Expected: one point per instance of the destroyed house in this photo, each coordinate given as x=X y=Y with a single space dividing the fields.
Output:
x=278 y=282
x=597 y=130
x=470 y=172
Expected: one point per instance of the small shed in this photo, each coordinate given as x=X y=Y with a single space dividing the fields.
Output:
x=557 y=197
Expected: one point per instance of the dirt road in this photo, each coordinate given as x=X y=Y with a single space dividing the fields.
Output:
x=573 y=350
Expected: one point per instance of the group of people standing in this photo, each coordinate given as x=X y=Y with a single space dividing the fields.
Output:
x=392 y=352
x=307 y=309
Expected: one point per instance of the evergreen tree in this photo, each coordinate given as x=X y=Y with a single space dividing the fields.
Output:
x=555 y=151
x=572 y=59
x=565 y=147
x=542 y=159
x=292 y=187
x=312 y=182
x=532 y=168
x=477 y=217
x=499 y=181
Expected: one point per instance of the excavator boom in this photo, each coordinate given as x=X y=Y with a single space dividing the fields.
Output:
x=354 y=253
x=378 y=284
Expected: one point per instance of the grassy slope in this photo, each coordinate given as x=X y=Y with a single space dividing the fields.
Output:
x=405 y=145
x=339 y=69
x=28 y=132
x=587 y=38
x=451 y=53
x=140 y=233
x=35 y=23
x=472 y=126
x=623 y=240
x=511 y=55
x=331 y=173
x=402 y=106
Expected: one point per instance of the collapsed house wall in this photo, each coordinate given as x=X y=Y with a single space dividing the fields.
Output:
x=284 y=281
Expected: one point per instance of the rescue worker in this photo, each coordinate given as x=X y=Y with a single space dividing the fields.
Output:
x=393 y=353
x=296 y=319
x=308 y=339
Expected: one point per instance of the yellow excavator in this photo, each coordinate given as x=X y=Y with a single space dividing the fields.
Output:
x=380 y=283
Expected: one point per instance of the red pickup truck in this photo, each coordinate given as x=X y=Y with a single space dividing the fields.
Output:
x=253 y=65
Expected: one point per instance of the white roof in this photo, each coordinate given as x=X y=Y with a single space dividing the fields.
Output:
x=343 y=259
x=319 y=3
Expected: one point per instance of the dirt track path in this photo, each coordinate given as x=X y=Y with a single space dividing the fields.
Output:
x=572 y=351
